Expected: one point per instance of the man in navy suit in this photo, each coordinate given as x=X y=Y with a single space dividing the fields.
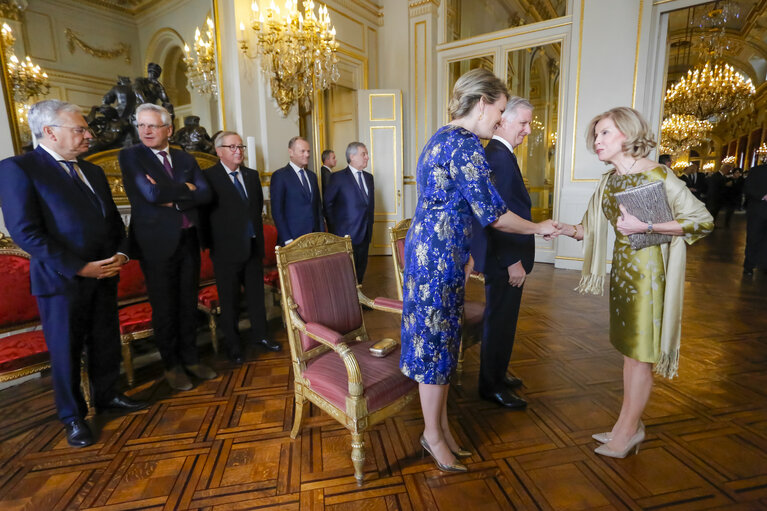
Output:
x=295 y=196
x=350 y=204
x=165 y=186
x=234 y=233
x=328 y=162
x=60 y=210
x=505 y=259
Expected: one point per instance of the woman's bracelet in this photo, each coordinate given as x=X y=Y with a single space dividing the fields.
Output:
x=575 y=231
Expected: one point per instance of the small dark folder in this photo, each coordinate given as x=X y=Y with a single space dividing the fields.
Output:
x=649 y=204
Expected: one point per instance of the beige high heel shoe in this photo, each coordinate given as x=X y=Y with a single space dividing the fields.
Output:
x=603 y=438
x=634 y=443
x=455 y=467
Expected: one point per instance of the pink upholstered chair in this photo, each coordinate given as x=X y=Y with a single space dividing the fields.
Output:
x=135 y=313
x=329 y=346
x=473 y=311
x=207 y=297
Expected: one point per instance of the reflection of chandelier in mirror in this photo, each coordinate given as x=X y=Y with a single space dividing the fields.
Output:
x=298 y=51
x=679 y=133
x=28 y=80
x=201 y=66
x=729 y=159
x=709 y=167
x=761 y=153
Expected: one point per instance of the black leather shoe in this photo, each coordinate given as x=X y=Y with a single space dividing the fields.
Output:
x=236 y=358
x=78 y=433
x=269 y=344
x=748 y=272
x=512 y=382
x=121 y=402
x=504 y=398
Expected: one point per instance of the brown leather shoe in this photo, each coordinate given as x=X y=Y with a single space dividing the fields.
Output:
x=201 y=371
x=177 y=378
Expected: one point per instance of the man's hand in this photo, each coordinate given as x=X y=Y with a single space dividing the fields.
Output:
x=104 y=268
x=468 y=269
x=190 y=186
x=517 y=274
x=167 y=204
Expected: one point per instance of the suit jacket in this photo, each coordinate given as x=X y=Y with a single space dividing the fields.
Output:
x=346 y=208
x=325 y=174
x=155 y=229
x=754 y=188
x=47 y=216
x=715 y=190
x=293 y=212
x=494 y=251
x=700 y=185
x=225 y=219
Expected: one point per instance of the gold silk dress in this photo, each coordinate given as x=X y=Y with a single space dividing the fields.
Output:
x=637 y=277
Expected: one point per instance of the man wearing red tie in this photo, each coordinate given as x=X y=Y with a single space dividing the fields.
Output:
x=165 y=186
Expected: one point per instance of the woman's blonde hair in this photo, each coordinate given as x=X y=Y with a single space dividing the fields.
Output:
x=640 y=140
x=471 y=87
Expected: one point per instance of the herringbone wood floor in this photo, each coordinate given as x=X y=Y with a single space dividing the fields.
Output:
x=225 y=444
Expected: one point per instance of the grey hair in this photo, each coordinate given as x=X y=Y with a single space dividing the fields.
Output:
x=513 y=105
x=46 y=113
x=352 y=149
x=164 y=114
x=219 y=142
x=293 y=141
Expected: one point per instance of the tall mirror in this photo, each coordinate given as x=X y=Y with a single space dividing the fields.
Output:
x=95 y=48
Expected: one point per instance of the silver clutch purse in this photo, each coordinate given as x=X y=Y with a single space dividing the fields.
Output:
x=649 y=204
x=383 y=347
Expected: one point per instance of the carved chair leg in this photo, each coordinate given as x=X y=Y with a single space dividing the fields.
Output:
x=358 y=456
x=212 y=327
x=128 y=363
x=85 y=383
x=298 y=417
x=459 y=367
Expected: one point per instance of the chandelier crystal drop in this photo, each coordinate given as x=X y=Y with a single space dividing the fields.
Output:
x=298 y=51
x=27 y=79
x=201 y=66
x=710 y=92
x=679 y=133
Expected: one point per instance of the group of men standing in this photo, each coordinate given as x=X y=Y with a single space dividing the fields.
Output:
x=59 y=208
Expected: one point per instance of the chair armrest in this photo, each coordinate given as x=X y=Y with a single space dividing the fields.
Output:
x=380 y=303
x=324 y=334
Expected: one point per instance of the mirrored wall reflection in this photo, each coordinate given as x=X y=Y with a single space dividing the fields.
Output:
x=469 y=18
x=459 y=67
x=533 y=73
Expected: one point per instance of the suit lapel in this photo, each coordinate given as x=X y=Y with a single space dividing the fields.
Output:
x=63 y=177
x=152 y=165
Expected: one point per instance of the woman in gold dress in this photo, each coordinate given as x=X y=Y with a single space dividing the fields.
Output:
x=646 y=285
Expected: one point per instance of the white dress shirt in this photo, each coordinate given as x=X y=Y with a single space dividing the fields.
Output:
x=356 y=173
x=238 y=177
x=56 y=156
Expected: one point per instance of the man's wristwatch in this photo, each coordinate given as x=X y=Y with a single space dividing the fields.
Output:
x=649 y=227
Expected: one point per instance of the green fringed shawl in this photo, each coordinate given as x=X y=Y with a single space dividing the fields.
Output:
x=696 y=223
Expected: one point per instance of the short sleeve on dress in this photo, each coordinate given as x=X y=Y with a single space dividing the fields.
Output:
x=471 y=174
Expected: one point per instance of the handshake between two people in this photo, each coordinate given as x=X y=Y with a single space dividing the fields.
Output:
x=551 y=229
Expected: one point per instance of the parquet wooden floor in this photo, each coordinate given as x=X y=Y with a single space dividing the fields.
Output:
x=225 y=444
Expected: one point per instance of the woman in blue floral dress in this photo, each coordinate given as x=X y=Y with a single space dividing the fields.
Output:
x=454 y=186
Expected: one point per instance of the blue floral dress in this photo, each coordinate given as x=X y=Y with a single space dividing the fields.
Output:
x=453 y=186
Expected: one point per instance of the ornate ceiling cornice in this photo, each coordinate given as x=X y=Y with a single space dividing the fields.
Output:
x=419 y=7
x=12 y=9
x=124 y=6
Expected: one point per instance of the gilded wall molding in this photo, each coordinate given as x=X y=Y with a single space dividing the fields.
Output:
x=12 y=9
x=420 y=7
x=73 y=40
x=366 y=9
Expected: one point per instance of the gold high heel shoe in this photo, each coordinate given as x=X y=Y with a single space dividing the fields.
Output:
x=462 y=453
x=603 y=438
x=634 y=443
x=455 y=467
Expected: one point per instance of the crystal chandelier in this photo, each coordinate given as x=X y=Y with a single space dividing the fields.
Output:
x=679 y=133
x=201 y=66
x=27 y=79
x=761 y=153
x=298 y=51
x=712 y=92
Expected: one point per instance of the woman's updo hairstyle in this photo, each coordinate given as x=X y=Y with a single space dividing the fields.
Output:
x=640 y=140
x=471 y=87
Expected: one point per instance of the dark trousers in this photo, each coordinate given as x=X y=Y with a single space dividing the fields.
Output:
x=500 y=325
x=361 y=259
x=172 y=286
x=756 y=236
x=230 y=278
x=85 y=316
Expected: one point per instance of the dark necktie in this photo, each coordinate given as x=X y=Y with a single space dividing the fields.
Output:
x=305 y=184
x=362 y=186
x=82 y=186
x=241 y=191
x=185 y=223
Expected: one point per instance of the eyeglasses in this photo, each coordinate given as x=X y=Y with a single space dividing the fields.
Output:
x=79 y=130
x=235 y=148
x=150 y=127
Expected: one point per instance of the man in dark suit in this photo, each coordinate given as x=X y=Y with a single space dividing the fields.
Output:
x=165 y=186
x=328 y=162
x=234 y=233
x=716 y=185
x=755 y=189
x=295 y=197
x=60 y=210
x=695 y=181
x=350 y=204
x=505 y=259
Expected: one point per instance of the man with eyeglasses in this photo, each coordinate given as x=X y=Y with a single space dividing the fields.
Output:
x=295 y=196
x=234 y=233
x=165 y=187
x=60 y=210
